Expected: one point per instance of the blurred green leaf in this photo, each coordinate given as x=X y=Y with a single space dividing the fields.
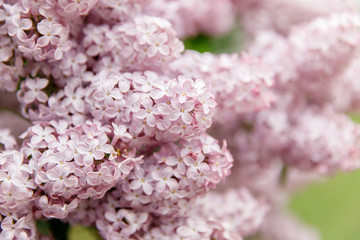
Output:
x=43 y=227
x=332 y=206
x=83 y=233
x=228 y=43
x=355 y=117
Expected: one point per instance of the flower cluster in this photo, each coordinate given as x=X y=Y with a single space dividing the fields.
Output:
x=16 y=191
x=121 y=133
x=145 y=42
x=189 y=18
x=245 y=80
x=115 y=130
x=72 y=163
x=281 y=15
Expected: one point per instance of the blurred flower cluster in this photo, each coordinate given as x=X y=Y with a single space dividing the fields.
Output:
x=130 y=133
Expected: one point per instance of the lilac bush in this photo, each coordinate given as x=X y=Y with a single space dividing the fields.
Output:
x=134 y=135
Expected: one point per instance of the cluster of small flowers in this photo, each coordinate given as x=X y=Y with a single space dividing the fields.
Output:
x=302 y=60
x=120 y=115
x=17 y=226
x=115 y=11
x=305 y=130
x=165 y=184
x=37 y=29
x=142 y=43
x=245 y=80
x=189 y=18
x=303 y=119
x=118 y=131
x=328 y=144
x=72 y=163
x=281 y=15
x=237 y=214
x=152 y=107
x=16 y=191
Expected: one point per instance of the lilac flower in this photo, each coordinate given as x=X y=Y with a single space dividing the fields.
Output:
x=157 y=44
x=142 y=181
x=164 y=179
x=181 y=110
x=34 y=92
x=148 y=113
x=49 y=31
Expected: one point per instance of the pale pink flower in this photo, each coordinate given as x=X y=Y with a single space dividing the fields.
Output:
x=181 y=110
x=50 y=32
x=164 y=178
x=142 y=181
x=34 y=90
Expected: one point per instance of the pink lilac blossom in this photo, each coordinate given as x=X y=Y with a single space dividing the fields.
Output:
x=17 y=226
x=238 y=214
x=145 y=42
x=189 y=18
x=116 y=222
x=115 y=11
x=150 y=105
x=291 y=228
x=281 y=15
x=120 y=114
x=245 y=80
x=72 y=163
x=16 y=192
x=303 y=60
x=308 y=138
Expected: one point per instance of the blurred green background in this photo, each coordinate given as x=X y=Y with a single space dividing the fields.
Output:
x=332 y=206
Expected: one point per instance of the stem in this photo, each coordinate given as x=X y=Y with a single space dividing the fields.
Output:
x=283 y=175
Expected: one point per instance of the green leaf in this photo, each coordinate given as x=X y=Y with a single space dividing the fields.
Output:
x=43 y=227
x=228 y=43
x=83 y=233
x=355 y=117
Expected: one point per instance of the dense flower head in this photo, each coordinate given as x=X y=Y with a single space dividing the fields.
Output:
x=115 y=11
x=121 y=133
x=37 y=29
x=17 y=226
x=237 y=214
x=145 y=42
x=307 y=138
x=303 y=62
x=176 y=174
x=189 y=18
x=17 y=186
x=281 y=15
x=150 y=105
x=245 y=80
x=73 y=163
x=172 y=176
